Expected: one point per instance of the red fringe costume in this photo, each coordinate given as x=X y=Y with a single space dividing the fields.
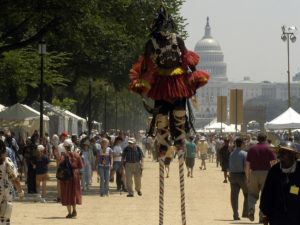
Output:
x=167 y=84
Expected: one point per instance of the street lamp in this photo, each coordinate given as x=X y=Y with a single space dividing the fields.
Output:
x=90 y=107
x=288 y=33
x=105 y=96
x=42 y=52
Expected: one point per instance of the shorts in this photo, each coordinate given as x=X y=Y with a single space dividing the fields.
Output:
x=203 y=156
x=42 y=177
x=167 y=161
x=190 y=162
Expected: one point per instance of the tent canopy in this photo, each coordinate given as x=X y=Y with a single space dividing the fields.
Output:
x=290 y=119
x=2 y=107
x=20 y=112
x=22 y=120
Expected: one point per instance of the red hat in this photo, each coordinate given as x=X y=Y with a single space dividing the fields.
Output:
x=64 y=134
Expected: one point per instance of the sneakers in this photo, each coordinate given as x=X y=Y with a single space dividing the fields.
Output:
x=130 y=195
x=236 y=218
x=69 y=216
x=38 y=198
x=43 y=200
x=251 y=215
x=139 y=193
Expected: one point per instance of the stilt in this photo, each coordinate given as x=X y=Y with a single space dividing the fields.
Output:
x=161 y=189
x=180 y=152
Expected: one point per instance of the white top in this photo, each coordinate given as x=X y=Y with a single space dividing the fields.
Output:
x=61 y=149
x=117 y=152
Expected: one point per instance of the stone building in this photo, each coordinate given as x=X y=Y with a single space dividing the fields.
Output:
x=212 y=61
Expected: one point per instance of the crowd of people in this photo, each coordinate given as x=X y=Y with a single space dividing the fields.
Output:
x=110 y=155
x=249 y=163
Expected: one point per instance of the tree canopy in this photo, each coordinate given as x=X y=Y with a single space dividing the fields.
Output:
x=86 y=39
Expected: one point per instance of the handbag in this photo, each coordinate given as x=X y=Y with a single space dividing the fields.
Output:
x=64 y=171
x=6 y=209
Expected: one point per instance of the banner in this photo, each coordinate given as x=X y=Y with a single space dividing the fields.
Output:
x=222 y=109
x=236 y=106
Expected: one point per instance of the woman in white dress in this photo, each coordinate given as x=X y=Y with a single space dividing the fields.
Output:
x=8 y=178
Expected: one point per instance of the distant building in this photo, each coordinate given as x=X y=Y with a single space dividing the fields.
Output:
x=212 y=61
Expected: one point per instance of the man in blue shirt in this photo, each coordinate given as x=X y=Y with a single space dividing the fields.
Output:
x=237 y=178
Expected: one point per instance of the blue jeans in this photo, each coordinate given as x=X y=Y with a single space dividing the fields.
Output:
x=104 y=172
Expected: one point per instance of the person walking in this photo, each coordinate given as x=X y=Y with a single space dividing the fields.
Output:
x=8 y=178
x=224 y=159
x=70 y=189
x=117 y=158
x=280 y=201
x=237 y=178
x=134 y=165
x=86 y=157
x=190 y=153
x=202 y=148
x=41 y=169
x=104 y=161
x=259 y=161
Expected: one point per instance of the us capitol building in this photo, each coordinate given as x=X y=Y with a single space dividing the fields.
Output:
x=212 y=61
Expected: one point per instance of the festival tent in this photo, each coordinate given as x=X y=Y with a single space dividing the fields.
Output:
x=2 y=107
x=59 y=120
x=77 y=124
x=290 y=119
x=22 y=120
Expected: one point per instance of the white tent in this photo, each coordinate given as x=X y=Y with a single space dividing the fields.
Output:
x=216 y=126
x=2 y=107
x=22 y=120
x=290 y=119
x=59 y=120
x=78 y=124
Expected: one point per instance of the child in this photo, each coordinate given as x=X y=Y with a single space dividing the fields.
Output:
x=41 y=167
x=86 y=170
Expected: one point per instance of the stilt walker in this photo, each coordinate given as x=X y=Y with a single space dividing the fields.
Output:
x=167 y=74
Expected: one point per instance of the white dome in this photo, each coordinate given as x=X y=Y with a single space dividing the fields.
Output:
x=211 y=56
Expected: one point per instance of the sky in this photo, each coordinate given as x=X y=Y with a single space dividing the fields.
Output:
x=249 y=32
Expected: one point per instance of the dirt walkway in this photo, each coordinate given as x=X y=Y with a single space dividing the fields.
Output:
x=207 y=202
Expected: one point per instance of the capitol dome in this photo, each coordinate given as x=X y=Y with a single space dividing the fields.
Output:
x=211 y=56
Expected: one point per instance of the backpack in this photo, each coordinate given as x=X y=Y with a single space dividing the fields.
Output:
x=64 y=171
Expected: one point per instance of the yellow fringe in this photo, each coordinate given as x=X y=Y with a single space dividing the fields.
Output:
x=170 y=72
x=143 y=84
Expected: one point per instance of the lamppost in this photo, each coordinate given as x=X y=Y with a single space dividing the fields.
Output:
x=288 y=33
x=105 y=96
x=116 y=108
x=42 y=52
x=90 y=107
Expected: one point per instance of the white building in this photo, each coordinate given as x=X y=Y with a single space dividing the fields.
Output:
x=212 y=61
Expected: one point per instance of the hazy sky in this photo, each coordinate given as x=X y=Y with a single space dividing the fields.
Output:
x=249 y=33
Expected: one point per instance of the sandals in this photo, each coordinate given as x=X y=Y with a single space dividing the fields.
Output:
x=74 y=213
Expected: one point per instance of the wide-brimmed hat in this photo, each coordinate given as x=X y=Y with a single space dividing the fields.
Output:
x=202 y=138
x=287 y=146
x=131 y=140
x=40 y=147
x=87 y=142
x=68 y=143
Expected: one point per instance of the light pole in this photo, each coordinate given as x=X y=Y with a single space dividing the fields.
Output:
x=116 y=108
x=90 y=107
x=288 y=33
x=42 y=52
x=105 y=96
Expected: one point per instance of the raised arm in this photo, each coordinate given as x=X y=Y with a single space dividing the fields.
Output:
x=184 y=50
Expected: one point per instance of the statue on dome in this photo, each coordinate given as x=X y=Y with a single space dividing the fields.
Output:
x=167 y=74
